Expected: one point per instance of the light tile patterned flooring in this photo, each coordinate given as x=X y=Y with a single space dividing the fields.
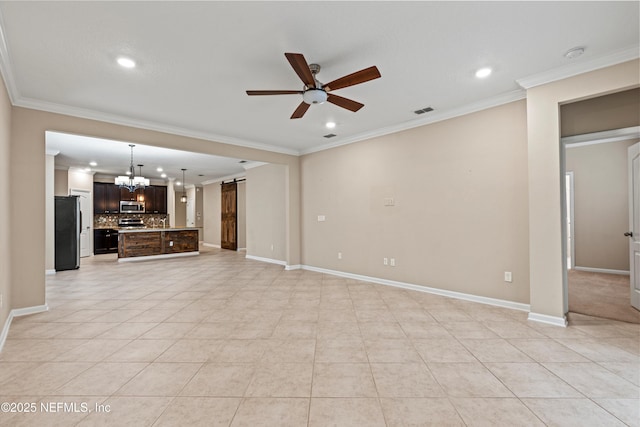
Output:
x=219 y=340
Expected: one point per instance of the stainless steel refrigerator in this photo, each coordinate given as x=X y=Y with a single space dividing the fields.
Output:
x=68 y=223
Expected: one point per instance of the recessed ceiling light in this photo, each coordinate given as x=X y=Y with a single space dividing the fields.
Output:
x=483 y=72
x=178 y=183
x=574 y=53
x=159 y=169
x=164 y=175
x=94 y=164
x=87 y=169
x=126 y=62
x=128 y=172
x=330 y=125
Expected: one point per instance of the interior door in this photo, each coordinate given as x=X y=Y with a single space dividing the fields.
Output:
x=229 y=226
x=634 y=223
x=86 y=208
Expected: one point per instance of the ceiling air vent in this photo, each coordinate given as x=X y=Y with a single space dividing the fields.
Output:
x=330 y=135
x=424 y=110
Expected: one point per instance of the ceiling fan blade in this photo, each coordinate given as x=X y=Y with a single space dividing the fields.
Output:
x=344 y=102
x=302 y=108
x=273 y=92
x=301 y=68
x=352 y=79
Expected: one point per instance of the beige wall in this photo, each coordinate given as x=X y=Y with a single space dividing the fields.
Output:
x=601 y=200
x=27 y=177
x=5 y=213
x=211 y=200
x=180 y=213
x=460 y=215
x=80 y=180
x=614 y=111
x=61 y=182
x=50 y=227
x=266 y=208
x=211 y=214
x=546 y=175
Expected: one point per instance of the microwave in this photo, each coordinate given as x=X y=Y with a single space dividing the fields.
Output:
x=131 y=207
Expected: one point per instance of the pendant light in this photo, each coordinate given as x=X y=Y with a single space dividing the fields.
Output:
x=141 y=195
x=183 y=199
x=131 y=182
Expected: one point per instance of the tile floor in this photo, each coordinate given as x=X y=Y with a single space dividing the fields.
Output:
x=218 y=340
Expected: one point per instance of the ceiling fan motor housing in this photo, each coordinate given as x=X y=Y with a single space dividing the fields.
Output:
x=314 y=96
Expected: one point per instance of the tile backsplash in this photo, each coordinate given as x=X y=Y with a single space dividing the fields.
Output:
x=111 y=220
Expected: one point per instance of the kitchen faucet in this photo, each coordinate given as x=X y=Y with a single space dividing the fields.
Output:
x=164 y=222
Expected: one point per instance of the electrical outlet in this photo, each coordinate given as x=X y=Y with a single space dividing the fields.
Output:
x=393 y=262
x=385 y=261
x=321 y=218
x=272 y=247
x=339 y=255
x=1 y=301
x=171 y=243
x=508 y=277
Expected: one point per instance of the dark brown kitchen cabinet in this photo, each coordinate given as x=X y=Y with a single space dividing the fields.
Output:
x=135 y=196
x=105 y=241
x=106 y=198
x=149 y=196
x=160 y=200
x=155 y=199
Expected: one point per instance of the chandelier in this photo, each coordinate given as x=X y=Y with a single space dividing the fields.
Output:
x=130 y=181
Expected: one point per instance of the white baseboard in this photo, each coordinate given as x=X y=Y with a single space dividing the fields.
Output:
x=269 y=260
x=162 y=256
x=549 y=320
x=442 y=292
x=602 y=270
x=293 y=267
x=211 y=245
x=5 y=330
x=50 y=272
x=16 y=312
x=241 y=250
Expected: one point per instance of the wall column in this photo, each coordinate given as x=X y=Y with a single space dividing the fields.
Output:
x=548 y=288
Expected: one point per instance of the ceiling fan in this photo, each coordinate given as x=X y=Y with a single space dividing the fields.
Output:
x=315 y=92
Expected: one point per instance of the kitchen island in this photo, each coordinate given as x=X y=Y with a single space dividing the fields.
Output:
x=150 y=243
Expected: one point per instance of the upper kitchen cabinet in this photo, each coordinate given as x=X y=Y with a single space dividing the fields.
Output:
x=135 y=196
x=155 y=198
x=106 y=198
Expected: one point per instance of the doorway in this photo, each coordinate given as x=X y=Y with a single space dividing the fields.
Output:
x=597 y=216
x=569 y=200
x=229 y=219
x=86 y=218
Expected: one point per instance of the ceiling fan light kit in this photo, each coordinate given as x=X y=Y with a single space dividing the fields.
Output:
x=314 y=96
x=315 y=92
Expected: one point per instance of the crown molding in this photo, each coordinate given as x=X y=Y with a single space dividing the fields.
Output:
x=434 y=117
x=5 y=67
x=252 y=165
x=84 y=113
x=570 y=70
x=224 y=178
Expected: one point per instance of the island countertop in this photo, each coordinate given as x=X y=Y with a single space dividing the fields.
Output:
x=148 y=230
x=157 y=242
